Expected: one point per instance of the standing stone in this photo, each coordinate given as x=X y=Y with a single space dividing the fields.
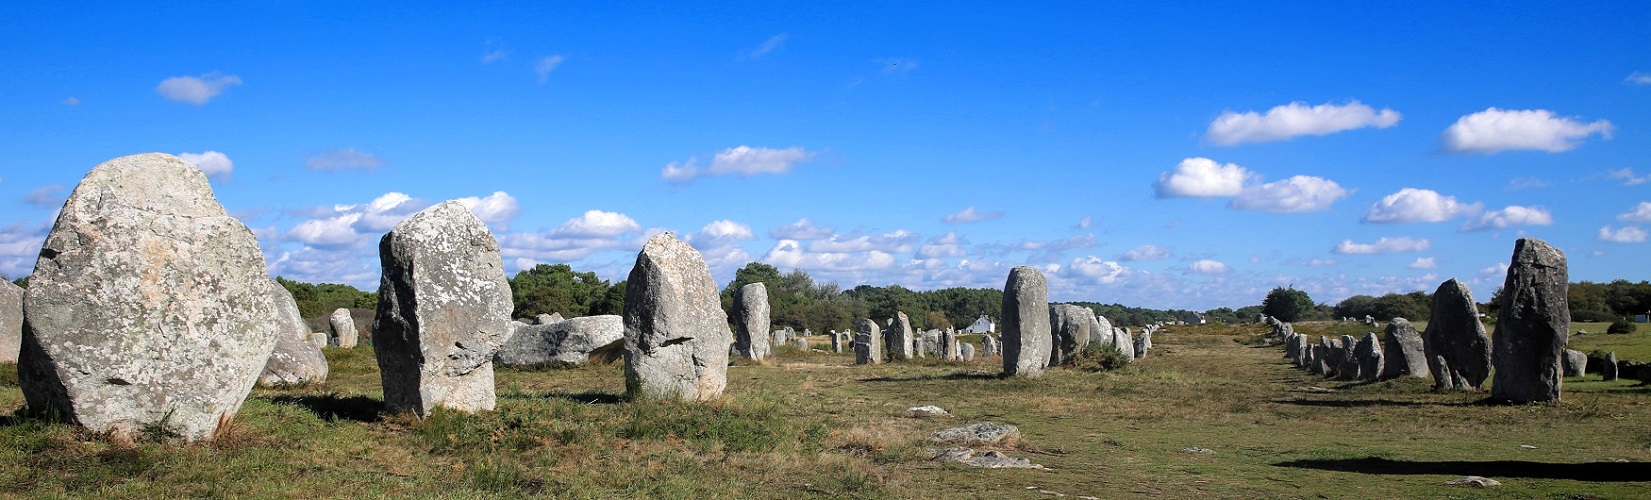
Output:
x=1125 y=345
x=1349 y=360
x=1458 y=351
x=568 y=342
x=676 y=335
x=319 y=339
x=149 y=306
x=1101 y=331
x=1321 y=358
x=1143 y=343
x=11 y=321
x=1402 y=351
x=1576 y=363
x=1303 y=350
x=836 y=342
x=1369 y=354
x=950 y=349
x=1533 y=325
x=933 y=343
x=1309 y=358
x=751 y=321
x=443 y=311
x=1025 y=323
x=1069 y=327
x=344 y=334
x=868 y=343
x=548 y=319
x=898 y=339
x=988 y=345
x=296 y=360
x=1608 y=369
x=968 y=351
x=800 y=344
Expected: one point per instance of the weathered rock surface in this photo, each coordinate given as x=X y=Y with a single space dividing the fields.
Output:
x=344 y=334
x=1533 y=325
x=546 y=319
x=1403 y=351
x=1101 y=331
x=1369 y=354
x=989 y=345
x=11 y=321
x=950 y=349
x=1348 y=366
x=1576 y=363
x=1026 y=337
x=1125 y=344
x=676 y=335
x=568 y=342
x=898 y=339
x=968 y=351
x=868 y=343
x=989 y=460
x=1143 y=343
x=1069 y=326
x=1458 y=351
x=836 y=343
x=149 y=306
x=751 y=310
x=443 y=311
x=984 y=433
x=296 y=360
x=1608 y=370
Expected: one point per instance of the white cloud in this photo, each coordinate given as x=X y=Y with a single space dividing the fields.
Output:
x=719 y=244
x=1640 y=213
x=789 y=254
x=1513 y=215
x=496 y=210
x=1085 y=222
x=1424 y=263
x=212 y=163
x=897 y=241
x=597 y=224
x=1638 y=78
x=1321 y=262
x=1382 y=245
x=20 y=247
x=1296 y=119
x=1097 y=270
x=547 y=65
x=726 y=229
x=1146 y=252
x=804 y=229
x=772 y=44
x=351 y=226
x=343 y=159
x=1297 y=194
x=195 y=90
x=947 y=245
x=384 y=212
x=970 y=215
x=1207 y=266
x=1627 y=176
x=1202 y=178
x=743 y=160
x=317 y=265
x=1628 y=234
x=1494 y=130
x=48 y=196
x=330 y=232
x=1418 y=205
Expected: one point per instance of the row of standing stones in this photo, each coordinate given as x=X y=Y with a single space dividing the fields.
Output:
x=1527 y=355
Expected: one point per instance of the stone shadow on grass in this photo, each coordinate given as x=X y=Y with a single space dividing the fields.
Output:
x=333 y=407
x=1595 y=472
x=964 y=375
x=587 y=397
x=1361 y=403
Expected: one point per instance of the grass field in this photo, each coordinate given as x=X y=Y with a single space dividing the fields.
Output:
x=812 y=425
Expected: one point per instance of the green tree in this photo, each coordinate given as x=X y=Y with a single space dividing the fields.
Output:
x=1287 y=304
x=557 y=288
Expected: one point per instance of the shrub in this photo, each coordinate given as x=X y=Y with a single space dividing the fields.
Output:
x=1098 y=357
x=1621 y=326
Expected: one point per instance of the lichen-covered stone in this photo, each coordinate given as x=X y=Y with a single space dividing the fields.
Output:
x=1069 y=327
x=676 y=335
x=868 y=343
x=1576 y=363
x=296 y=360
x=1533 y=325
x=11 y=321
x=898 y=338
x=443 y=311
x=1026 y=337
x=1403 y=351
x=1458 y=351
x=148 y=307
x=344 y=334
x=569 y=342
x=751 y=310
x=1368 y=353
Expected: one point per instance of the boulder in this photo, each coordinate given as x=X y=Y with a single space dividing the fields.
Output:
x=1402 y=351
x=1101 y=331
x=149 y=306
x=547 y=319
x=1369 y=354
x=1457 y=349
x=1069 y=327
x=968 y=351
x=988 y=345
x=443 y=310
x=296 y=360
x=868 y=343
x=676 y=335
x=1608 y=369
x=319 y=339
x=1576 y=363
x=1026 y=334
x=984 y=433
x=898 y=338
x=344 y=334
x=564 y=343
x=11 y=321
x=1532 y=326
x=751 y=321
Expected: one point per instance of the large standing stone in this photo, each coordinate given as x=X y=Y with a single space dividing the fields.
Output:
x=898 y=339
x=1369 y=354
x=1402 y=351
x=1576 y=363
x=1125 y=344
x=11 y=321
x=1025 y=323
x=988 y=345
x=1458 y=351
x=1608 y=369
x=1349 y=367
x=950 y=346
x=1143 y=343
x=751 y=321
x=676 y=335
x=1533 y=325
x=1101 y=331
x=868 y=343
x=836 y=342
x=296 y=360
x=148 y=307
x=569 y=342
x=1069 y=326
x=443 y=311
x=344 y=334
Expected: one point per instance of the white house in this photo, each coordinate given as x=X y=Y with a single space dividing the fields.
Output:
x=982 y=325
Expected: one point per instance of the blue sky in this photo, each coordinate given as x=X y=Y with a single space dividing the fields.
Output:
x=1167 y=155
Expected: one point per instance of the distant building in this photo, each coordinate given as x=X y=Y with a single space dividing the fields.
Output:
x=1194 y=319
x=1642 y=318
x=982 y=325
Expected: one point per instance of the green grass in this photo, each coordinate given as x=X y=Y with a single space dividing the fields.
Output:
x=814 y=425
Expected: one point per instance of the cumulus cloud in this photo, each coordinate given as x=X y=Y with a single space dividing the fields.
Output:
x=195 y=90
x=1627 y=176
x=1628 y=234
x=496 y=210
x=343 y=159
x=49 y=196
x=1296 y=119
x=20 y=247
x=350 y=226
x=770 y=45
x=1145 y=252
x=1085 y=222
x=1424 y=263
x=212 y=163
x=1494 y=130
x=790 y=254
x=804 y=229
x=1096 y=270
x=1202 y=178
x=545 y=66
x=597 y=224
x=1640 y=213
x=970 y=215
x=1321 y=262
x=743 y=160
x=946 y=245
x=1297 y=194
x=1207 y=266
x=897 y=241
x=719 y=243
x=1513 y=215
x=1382 y=245
x=1638 y=78
x=321 y=265
x=1418 y=205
